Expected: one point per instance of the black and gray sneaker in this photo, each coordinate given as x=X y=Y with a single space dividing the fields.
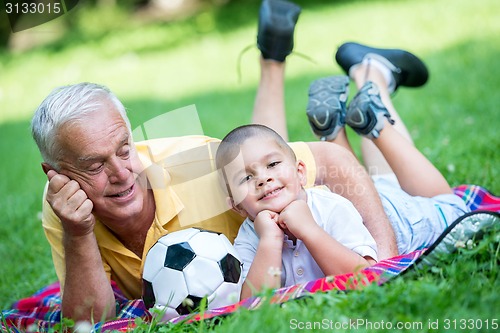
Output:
x=327 y=106
x=277 y=19
x=465 y=232
x=366 y=112
x=407 y=69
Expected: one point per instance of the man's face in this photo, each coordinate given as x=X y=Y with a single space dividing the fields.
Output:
x=264 y=177
x=98 y=153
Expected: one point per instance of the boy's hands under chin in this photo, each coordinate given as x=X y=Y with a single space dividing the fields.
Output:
x=297 y=219
x=266 y=225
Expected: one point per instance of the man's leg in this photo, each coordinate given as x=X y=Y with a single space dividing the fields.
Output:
x=340 y=170
x=277 y=20
x=269 y=107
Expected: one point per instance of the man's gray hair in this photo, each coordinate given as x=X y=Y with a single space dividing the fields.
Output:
x=64 y=104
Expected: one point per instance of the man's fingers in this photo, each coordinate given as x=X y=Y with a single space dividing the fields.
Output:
x=77 y=199
x=58 y=182
x=51 y=173
x=85 y=209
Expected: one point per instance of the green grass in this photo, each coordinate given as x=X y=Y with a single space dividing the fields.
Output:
x=162 y=66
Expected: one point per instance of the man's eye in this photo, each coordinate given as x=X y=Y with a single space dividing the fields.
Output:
x=125 y=152
x=96 y=167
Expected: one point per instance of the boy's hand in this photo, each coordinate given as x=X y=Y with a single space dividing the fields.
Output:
x=297 y=218
x=266 y=224
x=71 y=204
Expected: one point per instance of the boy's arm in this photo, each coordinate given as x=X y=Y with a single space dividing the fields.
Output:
x=331 y=256
x=261 y=274
x=267 y=258
x=340 y=170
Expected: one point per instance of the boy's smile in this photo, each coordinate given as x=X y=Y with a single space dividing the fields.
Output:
x=264 y=177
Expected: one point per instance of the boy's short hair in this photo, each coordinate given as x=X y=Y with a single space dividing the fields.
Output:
x=229 y=147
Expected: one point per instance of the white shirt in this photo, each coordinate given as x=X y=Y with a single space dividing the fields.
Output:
x=335 y=214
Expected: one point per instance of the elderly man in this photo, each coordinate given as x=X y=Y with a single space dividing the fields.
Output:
x=109 y=199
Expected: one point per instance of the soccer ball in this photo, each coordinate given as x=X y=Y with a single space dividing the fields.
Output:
x=185 y=266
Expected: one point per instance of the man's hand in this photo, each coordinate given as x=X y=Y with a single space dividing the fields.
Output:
x=71 y=204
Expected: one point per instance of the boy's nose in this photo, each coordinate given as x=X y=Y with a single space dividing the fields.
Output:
x=264 y=180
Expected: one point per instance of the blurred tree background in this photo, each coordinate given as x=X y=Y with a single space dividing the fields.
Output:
x=112 y=13
x=144 y=9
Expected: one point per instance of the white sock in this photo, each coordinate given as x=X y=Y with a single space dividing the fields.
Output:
x=381 y=64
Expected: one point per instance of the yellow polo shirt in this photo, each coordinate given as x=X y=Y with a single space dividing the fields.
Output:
x=187 y=193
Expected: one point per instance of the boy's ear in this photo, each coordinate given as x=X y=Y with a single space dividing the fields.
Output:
x=235 y=208
x=302 y=172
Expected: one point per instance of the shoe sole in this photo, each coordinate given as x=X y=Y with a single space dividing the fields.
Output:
x=277 y=20
x=413 y=72
x=326 y=106
x=469 y=227
x=366 y=112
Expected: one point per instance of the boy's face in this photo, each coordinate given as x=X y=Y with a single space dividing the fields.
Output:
x=264 y=177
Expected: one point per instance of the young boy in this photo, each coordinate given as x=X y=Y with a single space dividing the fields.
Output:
x=305 y=234
x=417 y=199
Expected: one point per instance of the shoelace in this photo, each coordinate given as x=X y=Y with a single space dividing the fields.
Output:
x=248 y=47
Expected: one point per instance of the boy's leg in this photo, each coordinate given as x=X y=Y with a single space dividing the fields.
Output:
x=415 y=173
x=338 y=168
x=326 y=109
x=374 y=160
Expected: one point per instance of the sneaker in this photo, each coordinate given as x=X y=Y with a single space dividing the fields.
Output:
x=407 y=69
x=327 y=106
x=277 y=19
x=465 y=232
x=366 y=112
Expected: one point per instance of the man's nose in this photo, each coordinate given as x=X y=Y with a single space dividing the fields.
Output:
x=118 y=171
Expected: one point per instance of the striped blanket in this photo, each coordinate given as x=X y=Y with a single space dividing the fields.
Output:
x=43 y=309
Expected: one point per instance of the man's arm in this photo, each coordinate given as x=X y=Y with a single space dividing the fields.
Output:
x=339 y=169
x=87 y=293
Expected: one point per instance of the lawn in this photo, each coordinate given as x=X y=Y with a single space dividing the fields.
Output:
x=157 y=67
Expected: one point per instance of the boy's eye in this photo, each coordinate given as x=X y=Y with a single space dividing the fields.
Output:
x=245 y=179
x=273 y=164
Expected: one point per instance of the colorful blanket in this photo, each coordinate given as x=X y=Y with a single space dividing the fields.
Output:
x=42 y=310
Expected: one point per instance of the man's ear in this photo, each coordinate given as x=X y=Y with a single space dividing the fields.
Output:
x=46 y=167
x=302 y=172
x=235 y=208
